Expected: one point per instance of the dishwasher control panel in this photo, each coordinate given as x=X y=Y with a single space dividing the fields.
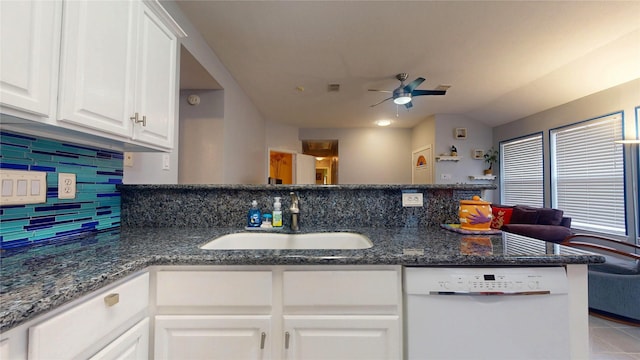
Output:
x=485 y=280
x=490 y=281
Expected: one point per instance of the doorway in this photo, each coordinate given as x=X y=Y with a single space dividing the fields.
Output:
x=326 y=154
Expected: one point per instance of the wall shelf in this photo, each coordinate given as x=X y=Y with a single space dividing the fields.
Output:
x=482 y=177
x=448 y=158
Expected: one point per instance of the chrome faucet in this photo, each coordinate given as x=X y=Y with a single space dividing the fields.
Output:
x=295 y=212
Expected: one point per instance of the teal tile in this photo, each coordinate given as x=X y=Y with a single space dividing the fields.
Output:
x=8 y=153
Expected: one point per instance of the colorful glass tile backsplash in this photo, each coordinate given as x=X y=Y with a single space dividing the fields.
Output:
x=96 y=206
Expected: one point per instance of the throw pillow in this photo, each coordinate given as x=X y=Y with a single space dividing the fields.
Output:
x=548 y=216
x=524 y=216
x=501 y=216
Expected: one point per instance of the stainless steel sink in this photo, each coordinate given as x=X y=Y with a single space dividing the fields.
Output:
x=263 y=241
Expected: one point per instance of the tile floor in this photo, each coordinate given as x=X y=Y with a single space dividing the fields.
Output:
x=613 y=341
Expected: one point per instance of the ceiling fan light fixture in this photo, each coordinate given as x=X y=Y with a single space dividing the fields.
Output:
x=402 y=99
x=383 y=122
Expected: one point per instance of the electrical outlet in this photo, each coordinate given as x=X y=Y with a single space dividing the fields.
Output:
x=66 y=186
x=412 y=199
x=445 y=176
x=128 y=159
x=23 y=187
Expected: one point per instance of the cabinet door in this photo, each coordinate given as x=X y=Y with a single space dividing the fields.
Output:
x=78 y=331
x=132 y=345
x=366 y=337
x=97 y=70
x=29 y=55
x=212 y=337
x=155 y=81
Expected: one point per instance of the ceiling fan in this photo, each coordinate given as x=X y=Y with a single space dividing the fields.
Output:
x=403 y=94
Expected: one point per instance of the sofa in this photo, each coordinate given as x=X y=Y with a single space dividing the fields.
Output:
x=539 y=223
x=614 y=286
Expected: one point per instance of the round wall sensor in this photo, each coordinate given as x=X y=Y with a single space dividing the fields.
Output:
x=193 y=99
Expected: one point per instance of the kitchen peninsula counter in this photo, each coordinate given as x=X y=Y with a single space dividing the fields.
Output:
x=39 y=279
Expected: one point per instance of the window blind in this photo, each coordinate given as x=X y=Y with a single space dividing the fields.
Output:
x=522 y=172
x=587 y=172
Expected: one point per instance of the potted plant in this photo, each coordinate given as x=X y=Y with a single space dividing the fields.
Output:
x=491 y=157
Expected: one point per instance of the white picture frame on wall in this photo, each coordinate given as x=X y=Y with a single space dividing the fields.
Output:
x=460 y=133
x=478 y=154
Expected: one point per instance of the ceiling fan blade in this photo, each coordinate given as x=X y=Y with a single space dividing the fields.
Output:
x=428 y=92
x=389 y=98
x=384 y=91
x=408 y=105
x=414 y=84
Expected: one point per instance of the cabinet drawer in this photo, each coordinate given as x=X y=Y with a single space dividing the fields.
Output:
x=85 y=324
x=341 y=288
x=214 y=288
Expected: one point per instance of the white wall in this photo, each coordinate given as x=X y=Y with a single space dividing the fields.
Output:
x=282 y=137
x=201 y=138
x=369 y=156
x=424 y=133
x=479 y=136
x=244 y=126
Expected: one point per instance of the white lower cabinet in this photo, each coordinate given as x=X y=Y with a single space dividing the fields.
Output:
x=94 y=323
x=304 y=312
x=362 y=337
x=4 y=349
x=132 y=345
x=212 y=337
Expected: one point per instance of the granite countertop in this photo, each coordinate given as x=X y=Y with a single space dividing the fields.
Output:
x=39 y=279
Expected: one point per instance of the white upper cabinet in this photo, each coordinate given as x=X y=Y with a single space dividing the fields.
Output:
x=118 y=72
x=29 y=57
x=155 y=81
x=97 y=65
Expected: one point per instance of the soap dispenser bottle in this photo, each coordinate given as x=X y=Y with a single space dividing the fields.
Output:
x=277 y=213
x=254 y=218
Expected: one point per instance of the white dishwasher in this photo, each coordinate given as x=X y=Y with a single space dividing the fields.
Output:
x=486 y=313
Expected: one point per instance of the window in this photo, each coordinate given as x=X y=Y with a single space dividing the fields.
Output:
x=522 y=171
x=587 y=174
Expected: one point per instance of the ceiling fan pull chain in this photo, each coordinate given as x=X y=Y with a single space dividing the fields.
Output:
x=397 y=111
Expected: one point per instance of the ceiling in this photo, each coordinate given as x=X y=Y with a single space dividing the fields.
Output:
x=504 y=60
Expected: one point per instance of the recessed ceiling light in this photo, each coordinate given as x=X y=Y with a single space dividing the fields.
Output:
x=384 y=122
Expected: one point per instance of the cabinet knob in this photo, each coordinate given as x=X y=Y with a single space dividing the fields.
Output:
x=136 y=119
x=112 y=299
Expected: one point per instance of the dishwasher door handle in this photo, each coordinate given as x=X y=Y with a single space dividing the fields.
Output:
x=491 y=293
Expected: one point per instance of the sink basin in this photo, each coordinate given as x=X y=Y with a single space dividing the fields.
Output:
x=256 y=241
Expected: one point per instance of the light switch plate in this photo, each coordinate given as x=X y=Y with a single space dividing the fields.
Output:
x=66 y=186
x=23 y=187
x=166 y=162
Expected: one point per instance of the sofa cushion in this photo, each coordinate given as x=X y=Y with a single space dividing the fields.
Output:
x=547 y=216
x=501 y=216
x=566 y=222
x=523 y=215
x=553 y=233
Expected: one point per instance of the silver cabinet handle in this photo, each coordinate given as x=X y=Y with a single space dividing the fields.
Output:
x=263 y=336
x=286 y=340
x=136 y=119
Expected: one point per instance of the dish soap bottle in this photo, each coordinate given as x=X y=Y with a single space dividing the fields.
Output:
x=277 y=213
x=254 y=218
